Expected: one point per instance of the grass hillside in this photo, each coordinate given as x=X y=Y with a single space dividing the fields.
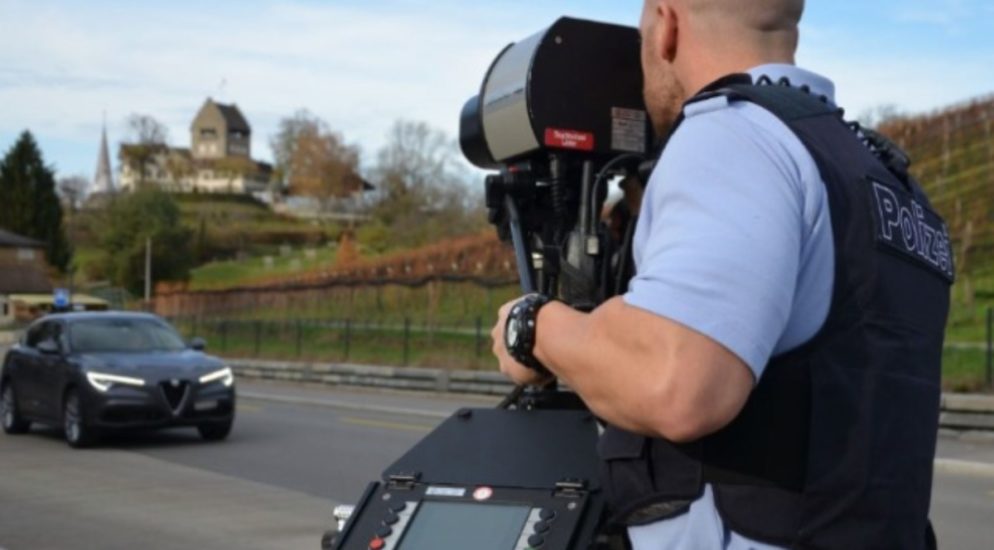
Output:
x=285 y=262
x=228 y=230
x=240 y=223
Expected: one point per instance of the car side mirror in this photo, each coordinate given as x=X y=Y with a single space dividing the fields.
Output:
x=49 y=347
x=198 y=344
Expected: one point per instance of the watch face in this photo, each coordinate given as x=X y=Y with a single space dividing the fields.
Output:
x=512 y=333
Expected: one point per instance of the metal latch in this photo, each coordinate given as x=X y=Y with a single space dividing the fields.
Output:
x=570 y=488
x=404 y=481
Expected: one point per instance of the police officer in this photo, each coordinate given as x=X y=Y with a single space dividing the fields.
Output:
x=771 y=377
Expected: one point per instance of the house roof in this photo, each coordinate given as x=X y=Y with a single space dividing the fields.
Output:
x=8 y=239
x=232 y=115
x=233 y=118
x=23 y=279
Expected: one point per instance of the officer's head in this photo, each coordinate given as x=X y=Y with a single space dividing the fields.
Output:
x=686 y=44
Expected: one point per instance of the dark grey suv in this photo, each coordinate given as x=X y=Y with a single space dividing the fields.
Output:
x=93 y=372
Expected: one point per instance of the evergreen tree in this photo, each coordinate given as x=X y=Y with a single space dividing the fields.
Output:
x=29 y=204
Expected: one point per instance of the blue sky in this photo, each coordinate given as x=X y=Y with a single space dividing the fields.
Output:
x=362 y=64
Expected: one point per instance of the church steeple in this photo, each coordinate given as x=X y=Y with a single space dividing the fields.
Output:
x=103 y=181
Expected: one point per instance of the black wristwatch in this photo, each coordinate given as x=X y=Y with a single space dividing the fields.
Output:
x=519 y=332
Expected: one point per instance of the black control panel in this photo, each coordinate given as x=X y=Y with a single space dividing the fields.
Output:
x=487 y=479
x=436 y=517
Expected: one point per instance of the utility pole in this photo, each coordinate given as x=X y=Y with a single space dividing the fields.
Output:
x=148 y=270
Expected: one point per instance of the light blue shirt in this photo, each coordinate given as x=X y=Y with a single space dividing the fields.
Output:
x=734 y=241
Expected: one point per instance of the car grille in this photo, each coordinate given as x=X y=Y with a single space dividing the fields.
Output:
x=175 y=393
x=130 y=415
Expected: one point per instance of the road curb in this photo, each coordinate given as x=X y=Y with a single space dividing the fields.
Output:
x=964 y=467
x=343 y=405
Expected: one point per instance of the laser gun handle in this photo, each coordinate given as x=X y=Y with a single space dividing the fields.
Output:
x=521 y=248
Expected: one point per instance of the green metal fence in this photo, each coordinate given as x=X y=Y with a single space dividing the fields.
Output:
x=460 y=344
x=463 y=345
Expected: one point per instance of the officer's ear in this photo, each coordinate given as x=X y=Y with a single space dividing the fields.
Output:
x=669 y=29
x=653 y=29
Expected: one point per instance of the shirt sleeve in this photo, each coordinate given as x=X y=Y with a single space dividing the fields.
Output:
x=721 y=248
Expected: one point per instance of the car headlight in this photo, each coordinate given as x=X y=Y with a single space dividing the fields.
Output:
x=102 y=382
x=225 y=376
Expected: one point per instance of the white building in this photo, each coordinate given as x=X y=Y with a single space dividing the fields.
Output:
x=219 y=160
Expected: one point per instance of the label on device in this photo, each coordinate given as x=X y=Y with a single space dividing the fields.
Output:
x=569 y=139
x=454 y=492
x=629 y=129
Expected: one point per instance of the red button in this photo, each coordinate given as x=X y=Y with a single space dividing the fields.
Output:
x=377 y=543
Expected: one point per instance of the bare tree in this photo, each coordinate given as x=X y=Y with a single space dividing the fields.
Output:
x=284 y=142
x=880 y=114
x=323 y=166
x=72 y=189
x=147 y=137
x=146 y=130
x=314 y=161
x=423 y=195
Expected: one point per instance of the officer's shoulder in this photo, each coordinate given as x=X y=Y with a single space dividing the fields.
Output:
x=705 y=105
x=720 y=119
x=741 y=133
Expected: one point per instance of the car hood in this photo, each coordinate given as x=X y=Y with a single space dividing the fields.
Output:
x=152 y=366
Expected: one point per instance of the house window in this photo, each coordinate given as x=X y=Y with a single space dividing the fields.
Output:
x=209 y=133
x=25 y=254
x=6 y=309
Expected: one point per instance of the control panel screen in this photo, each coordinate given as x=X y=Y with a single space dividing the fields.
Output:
x=460 y=525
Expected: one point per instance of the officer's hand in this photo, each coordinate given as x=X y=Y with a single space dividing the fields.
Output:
x=518 y=373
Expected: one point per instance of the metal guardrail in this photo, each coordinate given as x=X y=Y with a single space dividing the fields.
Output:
x=397 y=378
x=960 y=412
x=965 y=412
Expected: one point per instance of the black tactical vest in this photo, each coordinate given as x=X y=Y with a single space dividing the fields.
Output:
x=834 y=447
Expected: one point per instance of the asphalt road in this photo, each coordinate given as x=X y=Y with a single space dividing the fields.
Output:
x=274 y=482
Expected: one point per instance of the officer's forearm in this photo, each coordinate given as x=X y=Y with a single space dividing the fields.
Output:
x=642 y=372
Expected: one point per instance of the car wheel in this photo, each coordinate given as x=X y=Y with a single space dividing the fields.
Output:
x=77 y=433
x=13 y=422
x=215 y=431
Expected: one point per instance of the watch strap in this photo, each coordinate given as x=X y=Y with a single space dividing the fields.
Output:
x=525 y=311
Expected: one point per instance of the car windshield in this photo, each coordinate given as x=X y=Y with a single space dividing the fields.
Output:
x=123 y=335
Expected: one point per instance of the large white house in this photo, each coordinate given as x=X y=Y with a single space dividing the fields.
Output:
x=219 y=159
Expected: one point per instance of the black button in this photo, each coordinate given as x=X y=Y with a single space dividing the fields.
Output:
x=384 y=532
x=541 y=527
x=536 y=541
x=399 y=507
x=391 y=519
x=547 y=514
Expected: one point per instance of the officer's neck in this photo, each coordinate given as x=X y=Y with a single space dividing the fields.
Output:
x=699 y=71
